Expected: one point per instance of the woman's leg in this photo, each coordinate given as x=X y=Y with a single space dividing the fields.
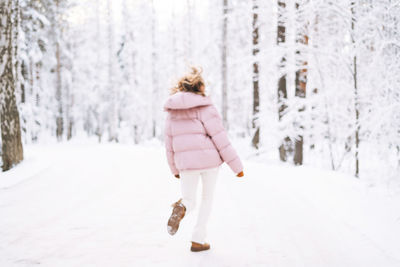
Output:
x=189 y=181
x=209 y=179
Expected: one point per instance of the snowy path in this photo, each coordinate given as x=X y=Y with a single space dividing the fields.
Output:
x=107 y=205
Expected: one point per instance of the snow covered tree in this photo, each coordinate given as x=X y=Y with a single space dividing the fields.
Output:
x=301 y=76
x=256 y=93
x=34 y=46
x=315 y=80
x=55 y=11
x=112 y=88
x=286 y=145
x=355 y=89
x=11 y=149
x=154 y=77
x=224 y=63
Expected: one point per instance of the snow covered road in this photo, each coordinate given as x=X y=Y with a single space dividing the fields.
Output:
x=107 y=205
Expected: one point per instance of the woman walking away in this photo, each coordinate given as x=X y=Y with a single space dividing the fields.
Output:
x=196 y=145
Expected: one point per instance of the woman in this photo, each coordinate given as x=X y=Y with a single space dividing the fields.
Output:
x=196 y=145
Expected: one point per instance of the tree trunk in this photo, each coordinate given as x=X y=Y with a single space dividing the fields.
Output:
x=69 y=112
x=256 y=95
x=314 y=92
x=12 y=152
x=301 y=84
x=224 y=64
x=97 y=86
x=153 y=69
x=59 y=116
x=113 y=114
x=356 y=96
x=286 y=144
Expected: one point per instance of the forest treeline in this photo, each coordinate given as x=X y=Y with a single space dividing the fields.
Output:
x=308 y=82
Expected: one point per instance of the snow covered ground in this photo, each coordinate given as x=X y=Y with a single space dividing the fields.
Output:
x=108 y=205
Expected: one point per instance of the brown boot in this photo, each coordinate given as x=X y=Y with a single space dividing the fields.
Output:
x=196 y=247
x=177 y=215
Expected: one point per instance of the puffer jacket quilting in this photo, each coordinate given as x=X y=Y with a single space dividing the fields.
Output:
x=194 y=135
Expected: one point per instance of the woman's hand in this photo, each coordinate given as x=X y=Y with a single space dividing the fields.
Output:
x=240 y=174
x=177 y=176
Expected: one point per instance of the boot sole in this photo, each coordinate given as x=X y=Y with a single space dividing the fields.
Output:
x=198 y=249
x=173 y=222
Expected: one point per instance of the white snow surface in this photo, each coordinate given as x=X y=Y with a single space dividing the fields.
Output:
x=108 y=205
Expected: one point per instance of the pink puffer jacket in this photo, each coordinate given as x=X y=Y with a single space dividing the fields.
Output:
x=194 y=135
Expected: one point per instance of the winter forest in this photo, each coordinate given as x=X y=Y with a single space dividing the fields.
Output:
x=314 y=83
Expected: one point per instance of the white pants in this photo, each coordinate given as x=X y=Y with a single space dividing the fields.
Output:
x=189 y=182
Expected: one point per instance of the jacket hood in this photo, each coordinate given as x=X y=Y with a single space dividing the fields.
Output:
x=186 y=100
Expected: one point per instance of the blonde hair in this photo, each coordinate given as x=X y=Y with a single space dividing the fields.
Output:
x=192 y=82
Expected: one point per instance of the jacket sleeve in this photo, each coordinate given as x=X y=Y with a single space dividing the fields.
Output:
x=168 y=147
x=213 y=124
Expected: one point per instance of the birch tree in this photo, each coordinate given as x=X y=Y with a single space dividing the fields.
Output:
x=12 y=152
